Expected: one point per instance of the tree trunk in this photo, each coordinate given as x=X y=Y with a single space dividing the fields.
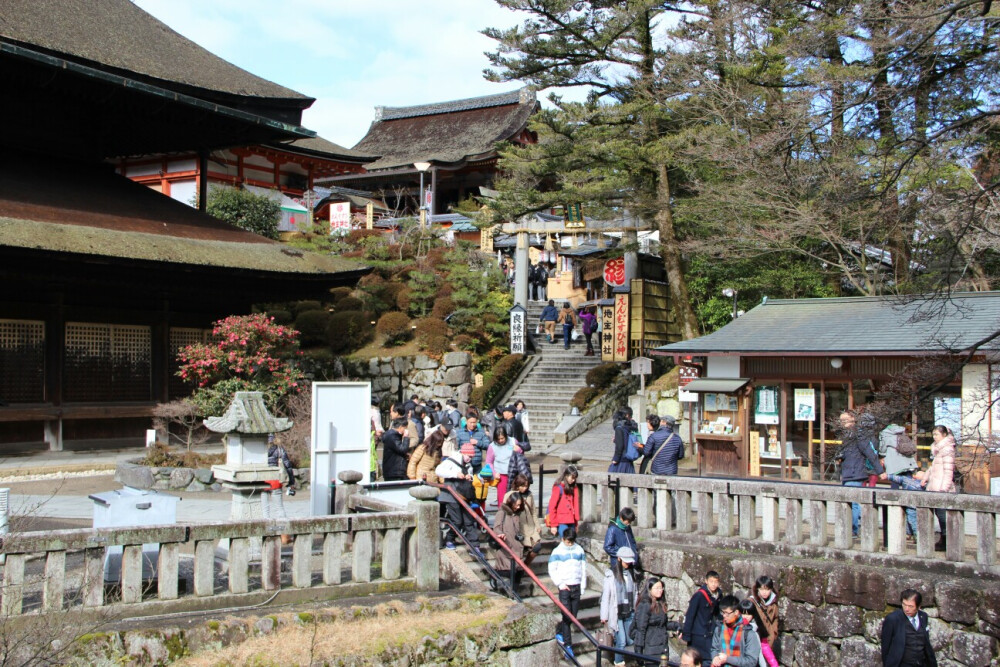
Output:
x=684 y=317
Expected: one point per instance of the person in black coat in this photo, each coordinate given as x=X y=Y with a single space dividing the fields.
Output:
x=906 y=641
x=513 y=427
x=651 y=620
x=624 y=426
x=702 y=616
x=857 y=448
x=395 y=452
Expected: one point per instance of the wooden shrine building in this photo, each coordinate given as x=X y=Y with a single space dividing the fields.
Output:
x=103 y=278
x=457 y=138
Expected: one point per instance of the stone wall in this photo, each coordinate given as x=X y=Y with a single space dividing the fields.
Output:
x=831 y=612
x=399 y=377
x=139 y=476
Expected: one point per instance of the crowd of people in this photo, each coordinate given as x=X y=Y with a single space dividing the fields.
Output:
x=569 y=318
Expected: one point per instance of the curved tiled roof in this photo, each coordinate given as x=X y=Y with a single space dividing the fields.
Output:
x=117 y=34
x=322 y=148
x=446 y=132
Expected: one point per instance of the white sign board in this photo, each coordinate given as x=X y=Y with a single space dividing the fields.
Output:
x=340 y=218
x=518 y=330
x=341 y=437
x=642 y=366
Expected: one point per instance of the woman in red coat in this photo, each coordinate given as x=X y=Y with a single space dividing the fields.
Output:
x=564 y=503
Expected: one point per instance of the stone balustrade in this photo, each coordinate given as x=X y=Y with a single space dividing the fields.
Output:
x=50 y=571
x=803 y=519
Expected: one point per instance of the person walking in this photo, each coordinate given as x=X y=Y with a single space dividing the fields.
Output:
x=564 y=502
x=624 y=428
x=941 y=475
x=456 y=472
x=568 y=320
x=906 y=641
x=514 y=428
x=664 y=448
x=427 y=456
x=529 y=521
x=619 y=534
x=619 y=596
x=765 y=599
x=474 y=434
x=548 y=319
x=856 y=450
x=507 y=525
x=734 y=643
x=524 y=419
x=651 y=620
x=702 y=615
x=568 y=571
x=588 y=321
x=499 y=456
x=542 y=280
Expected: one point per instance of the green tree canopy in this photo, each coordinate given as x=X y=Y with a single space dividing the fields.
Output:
x=255 y=213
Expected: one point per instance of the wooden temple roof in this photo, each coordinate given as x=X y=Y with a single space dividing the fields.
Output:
x=88 y=210
x=447 y=133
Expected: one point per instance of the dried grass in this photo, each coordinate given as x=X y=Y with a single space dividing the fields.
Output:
x=294 y=643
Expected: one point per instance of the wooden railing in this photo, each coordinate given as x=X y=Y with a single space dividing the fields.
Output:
x=726 y=512
x=50 y=571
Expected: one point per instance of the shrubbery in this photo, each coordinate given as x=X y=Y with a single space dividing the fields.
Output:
x=443 y=307
x=312 y=325
x=433 y=336
x=350 y=303
x=303 y=306
x=349 y=330
x=496 y=380
x=582 y=398
x=394 y=327
x=601 y=377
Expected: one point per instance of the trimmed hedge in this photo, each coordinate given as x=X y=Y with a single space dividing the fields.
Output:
x=601 y=377
x=582 y=398
x=312 y=325
x=394 y=327
x=349 y=330
x=494 y=382
x=349 y=303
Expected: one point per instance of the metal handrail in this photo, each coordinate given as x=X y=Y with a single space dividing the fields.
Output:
x=662 y=659
x=478 y=555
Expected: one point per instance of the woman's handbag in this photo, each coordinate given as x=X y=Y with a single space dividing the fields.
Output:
x=604 y=636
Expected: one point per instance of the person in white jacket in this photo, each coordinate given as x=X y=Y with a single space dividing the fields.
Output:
x=568 y=571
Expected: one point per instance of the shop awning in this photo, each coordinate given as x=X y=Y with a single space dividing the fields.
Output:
x=719 y=386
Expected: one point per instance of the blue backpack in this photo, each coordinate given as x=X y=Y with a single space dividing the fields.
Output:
x=632 y=447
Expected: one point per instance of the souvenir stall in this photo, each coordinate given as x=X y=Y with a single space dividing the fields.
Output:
x=722 y=446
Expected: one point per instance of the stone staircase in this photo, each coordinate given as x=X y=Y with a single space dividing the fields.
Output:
x=553 y=380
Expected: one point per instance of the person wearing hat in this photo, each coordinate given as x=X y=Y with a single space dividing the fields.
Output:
x=664 y=448
x=482 y=482
x=455 y=471
x=618 y=599
x=513 y=427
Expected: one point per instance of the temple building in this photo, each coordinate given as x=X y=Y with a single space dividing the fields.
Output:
x=103 y=278
x=454 y=142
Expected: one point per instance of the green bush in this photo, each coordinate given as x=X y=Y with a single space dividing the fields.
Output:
x=281 y=316
x=443 y=307
x=312 y=325
x=465 y=342
x=582 y=398
x=349 y=330
x=300 y=307
x=339 y=293
x=394 y=327
x=255 y=213
x=601 y=377
x=502 y=374
x=350 y=303
x=436 y=345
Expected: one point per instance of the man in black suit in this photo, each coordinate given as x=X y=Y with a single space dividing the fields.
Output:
x=906 y=641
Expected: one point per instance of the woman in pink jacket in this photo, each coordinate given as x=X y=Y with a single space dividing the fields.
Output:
x=941 y=476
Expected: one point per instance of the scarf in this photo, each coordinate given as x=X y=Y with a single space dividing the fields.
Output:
x=732 y=639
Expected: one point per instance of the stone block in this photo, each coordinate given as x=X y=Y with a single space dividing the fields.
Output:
x=812 y=652
x=457 y=359
x=786 y=654
x=861 y=587
x=384 y=369
x=989 y=605
x=803 y=584
x=136 y=476
x=401 y=364
x=856 y=651
x=539 y=655
x=373 y=367
x=381 y=383
x=204 y=475
x=458 y=375
x=147 y=647
x=896 y=582
x=988 y=629
x=700 y=563
x=973 y=650
x=422 y=362
x=181 y=477
x=957 y=601
x=523 y=627
x=464 y=393
x=265 y=626
x=196 y=486
x=940 y=633
x=425 y=378
x=871 y=621
x=394 y=384
x=798 y=617
x=837 y=621
x=443 y=391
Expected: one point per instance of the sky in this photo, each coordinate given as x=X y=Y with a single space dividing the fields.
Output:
x=351 y=55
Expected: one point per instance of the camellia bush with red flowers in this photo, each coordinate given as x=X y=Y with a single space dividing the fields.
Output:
x=249 y=353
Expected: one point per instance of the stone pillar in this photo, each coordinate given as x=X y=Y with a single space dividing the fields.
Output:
x=630 y=239
x=425 y=550
x=521 y=266
x=348 y=487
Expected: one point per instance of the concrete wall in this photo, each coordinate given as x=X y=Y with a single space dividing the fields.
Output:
x=400 y=377
x=831 y=612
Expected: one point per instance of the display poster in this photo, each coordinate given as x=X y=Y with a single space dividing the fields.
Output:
x=948 y=412
x=687 y=375
x=711 y=402
x=607 y=334
x=754 y=454
x=621 y=327
x=340 y=217
x=805 y=404
x=766 y=410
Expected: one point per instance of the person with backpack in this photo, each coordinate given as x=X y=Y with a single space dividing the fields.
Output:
x=589 y=323
x=628 y=446
x=702 y=616
x=857 y=456
x=564 y=502
x=898 y=453
x=620 y=535
x=568 y=320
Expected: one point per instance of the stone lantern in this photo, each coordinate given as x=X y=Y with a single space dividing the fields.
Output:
x=247 y=425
